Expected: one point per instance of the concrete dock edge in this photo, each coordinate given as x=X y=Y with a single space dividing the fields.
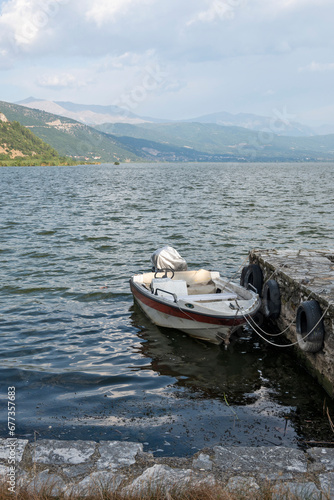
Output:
x=303 y=276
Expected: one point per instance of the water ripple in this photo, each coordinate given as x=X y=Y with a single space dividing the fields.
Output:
x=87 y=364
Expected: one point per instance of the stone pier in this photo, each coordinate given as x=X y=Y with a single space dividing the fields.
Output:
x=301 y=276
x=65 y=468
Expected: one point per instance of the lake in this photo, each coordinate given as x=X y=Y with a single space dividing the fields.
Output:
x=87 y=364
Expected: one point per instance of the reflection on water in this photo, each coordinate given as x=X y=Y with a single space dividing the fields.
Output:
x=265 y=390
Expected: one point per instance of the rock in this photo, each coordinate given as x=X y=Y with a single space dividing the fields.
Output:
x=9 y=445
x=77 y=470
x=81 y=468
x=327 y=484
x=296 y=490
x=162 y=478
x=3 y=471
x=48 y=483
x=324 y=456
x=97 y=483
x=52 y=452
x=261 y=460
x=115 y=454
x=242 y=484
x=22 y=478
x=203 y=462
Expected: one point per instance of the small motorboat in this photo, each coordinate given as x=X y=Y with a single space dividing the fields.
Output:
x=200 y=303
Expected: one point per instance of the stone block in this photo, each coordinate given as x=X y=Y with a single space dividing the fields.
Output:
x=116 y=454
x=98 y=483
x=53 y=452
x=323 y=456
x=260 y=460
x=73 y=471
x=296 y=490
x=6 y=445
x=162 y=479
x=49 y=483
x=3 y=471
x=327 y=484
x=202 y=462
x=242 y=484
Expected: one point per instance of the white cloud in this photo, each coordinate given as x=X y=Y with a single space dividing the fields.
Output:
x=216 y=53
x=61 y=81
x=106 y=11
x=23 y=20
x=217 y=10
x=317 y=67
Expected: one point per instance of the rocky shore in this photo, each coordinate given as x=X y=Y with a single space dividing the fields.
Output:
x=82 y=466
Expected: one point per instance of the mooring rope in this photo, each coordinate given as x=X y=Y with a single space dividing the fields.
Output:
x=285 y=345
x=274 y=334
x=289 y=325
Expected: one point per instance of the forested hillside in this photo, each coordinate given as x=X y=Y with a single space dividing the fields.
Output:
x=19 y=146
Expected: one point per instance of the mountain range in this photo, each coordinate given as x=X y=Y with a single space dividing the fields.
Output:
x=69 y=137
x=87 y=114
x=164 y=141
x=93 y=115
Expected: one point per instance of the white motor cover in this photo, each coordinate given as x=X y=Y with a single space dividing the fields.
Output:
x=168 y=258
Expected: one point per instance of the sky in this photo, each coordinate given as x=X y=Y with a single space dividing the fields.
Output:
x=174 y=59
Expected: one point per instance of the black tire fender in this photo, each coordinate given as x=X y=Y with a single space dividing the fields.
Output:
x=243 y=274
x=308 y=319
x=252 y=278
x=271 y=299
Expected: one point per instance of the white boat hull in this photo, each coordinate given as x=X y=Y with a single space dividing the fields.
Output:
x=215 y=334
x=212 y=316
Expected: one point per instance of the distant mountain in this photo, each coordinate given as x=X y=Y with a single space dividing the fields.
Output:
x=325 y=130
x=68 y=136
x=97 y=115
x=84 y=113
x=178 y=141
x=275 y=124
x=210 y=142
x=19 y=146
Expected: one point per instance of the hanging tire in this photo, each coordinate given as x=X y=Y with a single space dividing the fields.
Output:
x=308 y=319
x=252 y=278
x=243 y=274
x=271 y=299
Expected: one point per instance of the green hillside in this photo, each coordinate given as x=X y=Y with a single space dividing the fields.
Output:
x=177 y=141
x=68 y=137
x=19 y=146
x=218 y=143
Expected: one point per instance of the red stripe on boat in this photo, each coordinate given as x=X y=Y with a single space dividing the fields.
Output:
x=162 y=307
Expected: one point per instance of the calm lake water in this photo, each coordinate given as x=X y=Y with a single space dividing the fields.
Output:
x=87 y=364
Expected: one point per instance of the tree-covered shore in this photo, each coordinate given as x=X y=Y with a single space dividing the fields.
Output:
x=21 y=147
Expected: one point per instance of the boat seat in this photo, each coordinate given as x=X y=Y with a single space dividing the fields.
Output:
x=168 y=288
x=209 y=297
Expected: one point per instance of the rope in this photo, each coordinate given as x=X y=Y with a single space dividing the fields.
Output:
x=248 y=319
x=286 y=345
x=289 y=325
x=274 y=334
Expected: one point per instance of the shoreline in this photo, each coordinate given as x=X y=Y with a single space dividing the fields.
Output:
x=81 y=466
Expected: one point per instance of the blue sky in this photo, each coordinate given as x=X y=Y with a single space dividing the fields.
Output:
x=173 y=59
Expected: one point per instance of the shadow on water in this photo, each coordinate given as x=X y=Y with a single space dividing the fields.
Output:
x=264 y=387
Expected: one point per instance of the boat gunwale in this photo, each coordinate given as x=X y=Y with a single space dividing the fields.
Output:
x=201 y=317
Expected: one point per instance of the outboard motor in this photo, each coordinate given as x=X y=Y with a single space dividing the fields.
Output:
x=168 y=258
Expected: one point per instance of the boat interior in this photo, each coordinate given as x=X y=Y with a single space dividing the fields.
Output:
x=201 y=285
